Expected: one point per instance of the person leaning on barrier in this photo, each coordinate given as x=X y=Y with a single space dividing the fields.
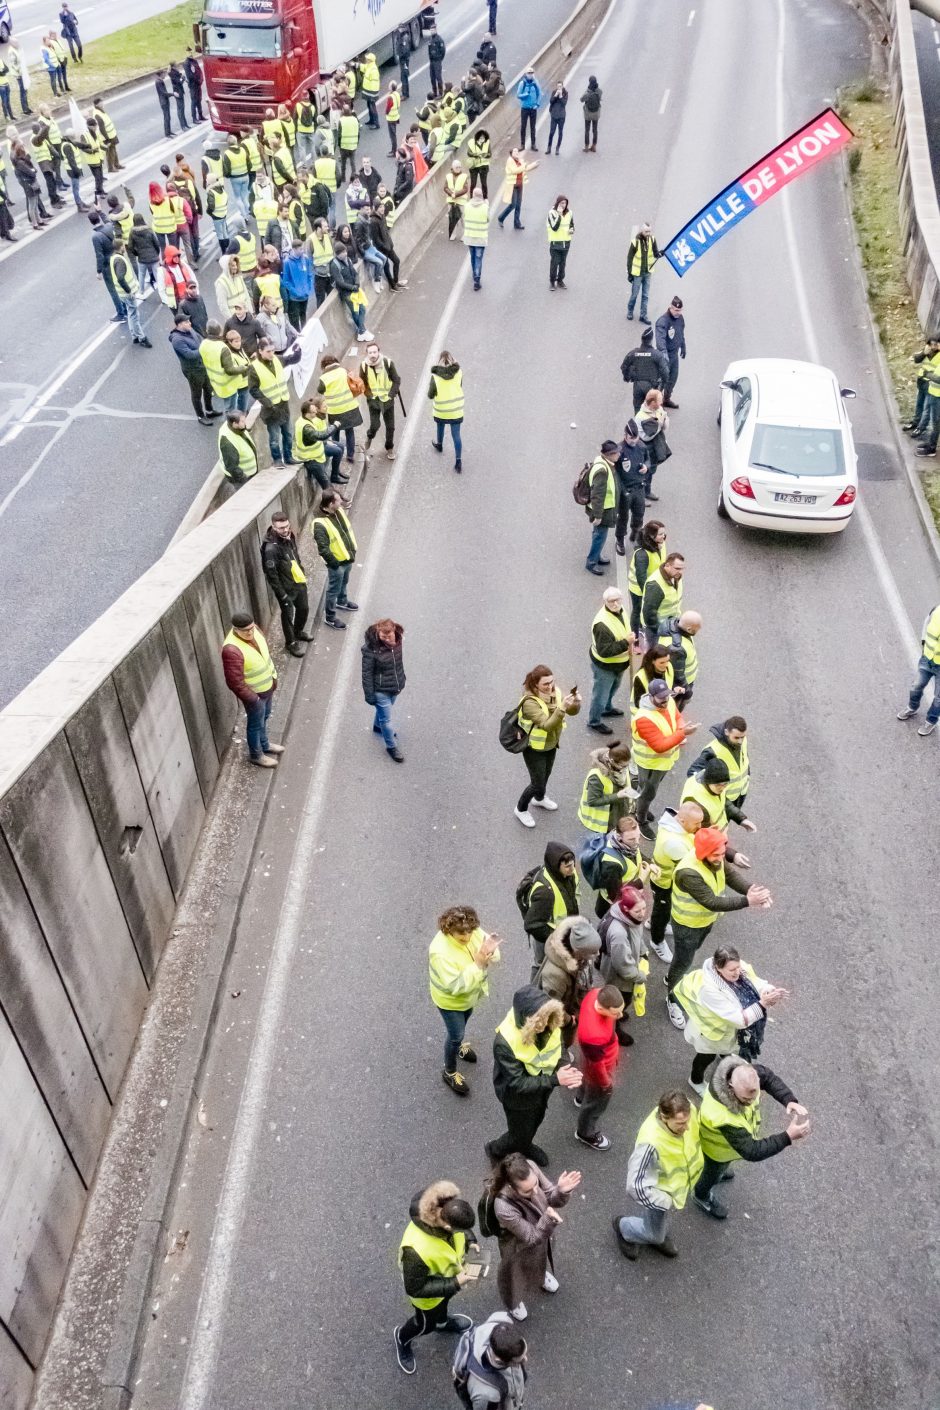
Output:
x=237 y=449
x=252 y=676
x=280 y=559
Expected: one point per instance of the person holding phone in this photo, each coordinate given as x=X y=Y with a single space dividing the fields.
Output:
x=526 y=1204
x=458 y=963
x=431 y=1258
x=543 y=714
x=730 y=1123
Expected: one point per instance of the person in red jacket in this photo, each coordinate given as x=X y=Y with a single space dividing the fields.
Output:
x=600 y=1052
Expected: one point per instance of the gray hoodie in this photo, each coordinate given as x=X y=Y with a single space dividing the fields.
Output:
x=624 y=947
x=482 y=1392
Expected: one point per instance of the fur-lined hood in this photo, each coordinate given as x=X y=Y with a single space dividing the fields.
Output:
x=720 y=1083
x=534 y=1013
x=556 y=951
x=426 y=1205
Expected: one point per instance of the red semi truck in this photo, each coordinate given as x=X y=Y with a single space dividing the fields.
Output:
x=257 y=53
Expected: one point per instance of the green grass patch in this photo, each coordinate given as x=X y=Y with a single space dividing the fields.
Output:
x=127 y=53
x=873 y=174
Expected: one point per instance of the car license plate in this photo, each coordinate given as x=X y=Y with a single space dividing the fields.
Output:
x=796 y=498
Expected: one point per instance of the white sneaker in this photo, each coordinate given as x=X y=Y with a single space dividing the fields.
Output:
x=367 y=335
x=550 y=1282
x=525 y=818
x=697 y=1087
x=926 y=728
x=648 y=925
x=545 y=803
x=662 y=950
x=363 y=337
x=403 y=283
x=519 y=1313
x=676 y=1014
x=377 y=285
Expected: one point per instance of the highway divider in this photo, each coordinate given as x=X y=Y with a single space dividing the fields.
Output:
x=108 y=764
x=917 y=192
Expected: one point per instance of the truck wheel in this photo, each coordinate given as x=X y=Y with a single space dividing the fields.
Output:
x=417 y=33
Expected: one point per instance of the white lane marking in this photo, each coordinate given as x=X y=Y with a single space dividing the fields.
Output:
x=886 y=578
x=45 y=396
x=266 y=1046
x=690 y=19
x=662 y=106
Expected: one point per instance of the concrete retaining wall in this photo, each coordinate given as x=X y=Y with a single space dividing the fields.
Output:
x=917 y=194
x=108 y=762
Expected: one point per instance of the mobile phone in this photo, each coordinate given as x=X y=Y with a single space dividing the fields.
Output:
x=473 y=1270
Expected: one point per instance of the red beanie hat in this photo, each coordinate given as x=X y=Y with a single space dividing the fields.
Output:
x=709 y=840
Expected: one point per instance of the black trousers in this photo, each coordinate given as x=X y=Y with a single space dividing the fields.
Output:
x=165 y=110
x=394 y=261
x=673 y=377
x=195 y=104
x=380 y=411
x=700 y=1065
x=557 y=261
x=527 y=120
x=712 y=1172
x=181 y=110
x=454 y=213
x=594 y=1102
x=590 y=132
x=436 y=67
x=556 y=128
x=200 y=391
x=48 y=175
x=297 y=312
x=424 y=1320
x=295 y=609
x=662 y=908
x=521 y=1126
x=540 y=763
x=687 y=940
x=481 y=174
x=322 y=285
x=630 y=501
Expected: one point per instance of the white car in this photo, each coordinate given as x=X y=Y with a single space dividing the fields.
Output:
x=788 y=460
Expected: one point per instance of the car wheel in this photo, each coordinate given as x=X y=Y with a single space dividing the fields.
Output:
x=718 y=417
x=721 y=506
x=4 y=33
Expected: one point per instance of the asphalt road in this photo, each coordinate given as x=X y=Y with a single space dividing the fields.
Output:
x=324 y=1108
x=100 y=456
x=927 y=44
x=33 y=18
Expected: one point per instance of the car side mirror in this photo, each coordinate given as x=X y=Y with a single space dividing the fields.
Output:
x=733 y=386
x=847 y=393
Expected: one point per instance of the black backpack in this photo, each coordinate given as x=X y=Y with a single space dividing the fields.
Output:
x=512 y=736
x=487 y=1222
x=581 y=489
x=524 y=889
x=592 y=101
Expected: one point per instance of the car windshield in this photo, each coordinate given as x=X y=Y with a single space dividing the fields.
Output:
x=242 y=41
x=797 y=450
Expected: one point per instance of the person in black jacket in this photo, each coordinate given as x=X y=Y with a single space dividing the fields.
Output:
x=178 y=83
x=439 y=1212
x=163 y=90
x=436 y=51
x=194 y=307
x=646 y=367
x=383 y=678
x=280 y=559
x=185 y=340
x=736 y=1087
x=522 y=1093
x=194 y=83
x=102 y=240
x=144 y=248
x=557 y=109
x=558 y=877
x=633 y=472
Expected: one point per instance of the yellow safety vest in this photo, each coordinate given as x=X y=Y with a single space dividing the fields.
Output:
x=337 y=543
x=269 y=287
x=933 y=388
x=59 y=51
x=448 y=961
x=559 y=904
x=110 y=131
x=325 y=133
x=237 y=160
x=349 y=132
x=339 y=399
x=619 y=627
x=636 y=266
x=213 y=166
x=305 y=117
x=596 y=819
x=272 y=379
x=324 y=169
x=715 y=1114
x=282 y=166
x=667 y=865
x=130 y=278
x=691 y=654
x=476 y=223
x=457 y=188
x=646 y=758
x=643 y=678
x=685 y=909
x=442 y=1258
x=316 y=452
x=40 y=149
x=739 y=769
x=394 y=112
x=260 y=670
x=322 y=247
x=163 y=217
x=680 y=1157
x=223 y=383
x=671 y=605
x=562 y=232
x=711 y=804
x=448 y=397
x=931 y=636
x=55 y=132
x=610 y=495
x=125 y=221
x=479 y=152
x=371 y=82
x=538 y=737
x=264 y=209
x=378 y=383
x=536 y=1061
x=245 y=447
x=247 y=253
x=711 y=1025
x=94 y=154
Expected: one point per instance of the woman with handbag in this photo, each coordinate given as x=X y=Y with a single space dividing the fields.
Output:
x=525 y=1206
x=543 y=714
x=725 y=1005
x=653 y=422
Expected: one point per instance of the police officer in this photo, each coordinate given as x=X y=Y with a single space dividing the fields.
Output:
x=611 y=641
x=336 y=544
x=280 y=559
x=670 y=339
x=252 y=676
x=633 y=478
x=646 y=367
x=601 y=508
x=380 y=377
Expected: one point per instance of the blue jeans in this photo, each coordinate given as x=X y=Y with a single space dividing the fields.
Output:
x=931 y=421
x=336 y=581
x=476 y=261
x=641 y=285
x=238 y=401
x=240 y=195
x=382 y=724
x=605 y=688
x=927 y=671
x=455 y=433
x=281 y=441
x=455 y=1021
x=221 y=232
x=599 y=534
x=374 y=260
x=515 y=206
x=257 y=728
x=76 y=191
x=646 y=1228
x=132 y=313
x=358 y=315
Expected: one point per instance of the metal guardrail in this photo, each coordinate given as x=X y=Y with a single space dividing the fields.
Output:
x=917 y=193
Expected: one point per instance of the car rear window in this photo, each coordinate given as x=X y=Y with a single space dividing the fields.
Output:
x=798 y=449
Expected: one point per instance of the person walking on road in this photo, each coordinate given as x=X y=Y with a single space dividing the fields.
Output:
x=108 y=133
x=446 y=394
x=658 y=734
x=600 y=1012
x=237 y=450
x=252 y=676
x=606 y=796
x=128 y=291
x=670 y=339
x=633 y=478
x=382 y=382
x=653 y=422
x=641 y=257
x=675 y=841
x=560 y=227
x=144 y=248
x=569 y=967
x=708 y=789
x=456 y=193
x=646 y=558
x=928 y=669
x=546 y=896
x=280 y=559
x=591 y=108
x=476 y=232
x=341 y=403
x=479 y=156
x=436 y=51
x=493 y=8
x=493 y=1365
x=529 y=94
x=383 y=678
x=731 y=1121
x=646 y=367
x=525 y=1206
x=543 y=714
x=102 y=239
x=431 y=1258
x=662 y=597
x=515 y=179
x=611 y=641
x=601 y=508
x=185 y=342
x=619 y=863
x=683 y=653
x=698 y=899
x=557 y=112
x=336 y=545
x=527 y=1067
x=725 y=1006
x=624 y=960
x=458 y=963
x=730 y=744
x=68 y=27
x=393 y=116
x=164 y=93
x=666 y=1162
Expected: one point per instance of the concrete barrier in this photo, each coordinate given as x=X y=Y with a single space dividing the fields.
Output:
x=917 y=193
x=108 y=762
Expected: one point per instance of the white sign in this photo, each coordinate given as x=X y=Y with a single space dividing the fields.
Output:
x=312 y=341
